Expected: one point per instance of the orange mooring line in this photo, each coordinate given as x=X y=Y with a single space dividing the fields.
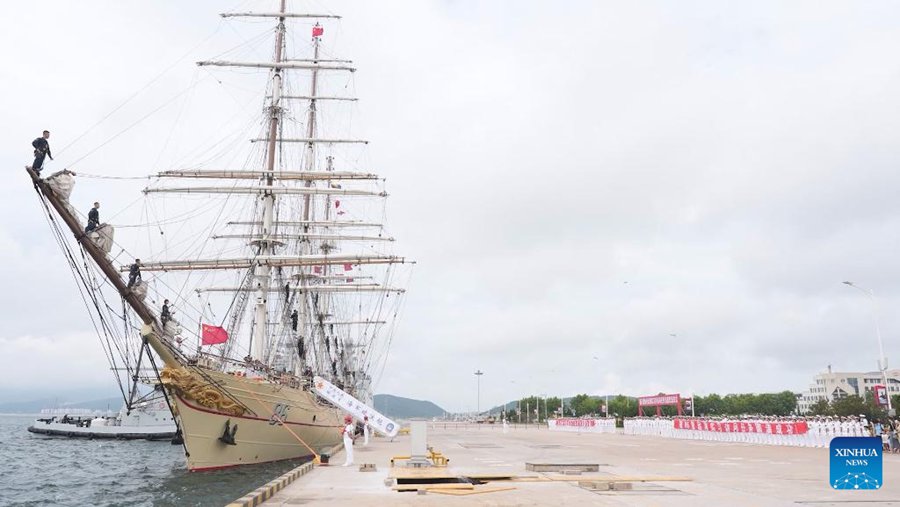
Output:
x=317 y=460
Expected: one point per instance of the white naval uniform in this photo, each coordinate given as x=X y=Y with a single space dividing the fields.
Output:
x=365 y=432
x=348 y=444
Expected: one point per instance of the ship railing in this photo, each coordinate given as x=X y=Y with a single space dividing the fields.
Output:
x=268 y=374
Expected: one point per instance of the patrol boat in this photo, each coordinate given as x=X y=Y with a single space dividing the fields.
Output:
x=280 y=274
x=146 y=420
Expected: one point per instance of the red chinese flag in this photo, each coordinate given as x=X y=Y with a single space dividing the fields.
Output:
x=348 y=267
x=337 y=204
x=317 y=270
x=211 y=335
x=318 y=31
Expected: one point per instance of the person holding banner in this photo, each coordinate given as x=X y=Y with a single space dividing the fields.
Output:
x=348 y=434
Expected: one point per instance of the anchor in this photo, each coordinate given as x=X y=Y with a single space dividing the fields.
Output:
x=228 y=435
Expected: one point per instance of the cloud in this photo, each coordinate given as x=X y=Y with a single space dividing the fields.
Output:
x=573 y=182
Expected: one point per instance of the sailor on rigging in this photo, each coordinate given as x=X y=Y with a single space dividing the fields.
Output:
x=41 y=150
x=93 y=218
x=294 y=320
x=164 y=316
x=134 y=273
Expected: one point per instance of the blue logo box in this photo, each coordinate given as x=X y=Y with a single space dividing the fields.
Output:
x=856 y=463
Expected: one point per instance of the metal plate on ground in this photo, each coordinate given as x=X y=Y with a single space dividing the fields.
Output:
x=560 y=466
x=629 y=488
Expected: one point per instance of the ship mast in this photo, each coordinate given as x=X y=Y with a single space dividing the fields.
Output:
x=263 y=272
x=304 y=314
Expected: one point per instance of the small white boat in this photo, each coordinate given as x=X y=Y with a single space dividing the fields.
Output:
x=150 y=420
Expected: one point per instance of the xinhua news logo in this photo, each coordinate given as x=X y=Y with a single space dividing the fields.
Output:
x=856 y=463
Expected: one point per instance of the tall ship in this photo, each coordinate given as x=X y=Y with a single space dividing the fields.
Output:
x=253 y=277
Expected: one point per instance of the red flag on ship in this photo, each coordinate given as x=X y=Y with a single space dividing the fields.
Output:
x=318 y=31
x=337 y=204
x=348 y=267
x=317 y=270
x=211 y=335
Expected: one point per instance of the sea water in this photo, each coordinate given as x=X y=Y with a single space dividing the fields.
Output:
x=38 y=470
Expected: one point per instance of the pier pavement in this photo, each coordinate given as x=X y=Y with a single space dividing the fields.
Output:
x=721 y=474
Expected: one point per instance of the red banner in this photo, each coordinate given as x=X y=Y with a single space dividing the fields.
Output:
x=880 y=395
x=663 y=399
x=773 y=428
x=576 y=422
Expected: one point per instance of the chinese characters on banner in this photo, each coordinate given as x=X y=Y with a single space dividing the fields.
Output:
x=774 y=428
x=604 y=425
x=356 y=408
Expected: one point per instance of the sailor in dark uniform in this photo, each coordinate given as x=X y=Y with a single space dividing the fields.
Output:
x=164 y=316
x=134 y=273
x=41 y=150
x=93 y=218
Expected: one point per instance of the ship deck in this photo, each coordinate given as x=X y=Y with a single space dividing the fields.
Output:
x=632 y=471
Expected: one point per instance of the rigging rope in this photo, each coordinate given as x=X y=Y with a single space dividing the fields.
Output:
x=135 y=94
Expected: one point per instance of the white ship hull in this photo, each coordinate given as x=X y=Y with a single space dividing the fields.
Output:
x=151 y=421
x=158 y=432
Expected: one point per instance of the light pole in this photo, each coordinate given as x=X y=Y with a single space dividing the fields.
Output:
x=478 y=374
x=518 y=405
x=882 y=361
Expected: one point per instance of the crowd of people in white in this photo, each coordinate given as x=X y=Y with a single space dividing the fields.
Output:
x=765 y=430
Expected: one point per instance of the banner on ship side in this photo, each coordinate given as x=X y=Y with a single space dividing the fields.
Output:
x=773 y=428
x=356 y=408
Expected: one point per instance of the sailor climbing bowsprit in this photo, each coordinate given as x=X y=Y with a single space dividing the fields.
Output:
x=41 y=150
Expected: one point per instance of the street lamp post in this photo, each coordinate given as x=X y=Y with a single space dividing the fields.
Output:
x=882 y=360
x=478 y=374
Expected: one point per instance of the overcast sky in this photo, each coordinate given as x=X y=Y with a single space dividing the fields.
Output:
x=602 y=197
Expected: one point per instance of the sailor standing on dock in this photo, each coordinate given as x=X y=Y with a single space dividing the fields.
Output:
x=365 y=430
x=348 y=440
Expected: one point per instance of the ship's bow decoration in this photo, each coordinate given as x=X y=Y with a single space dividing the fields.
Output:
x=187 y=385
x=358 y=409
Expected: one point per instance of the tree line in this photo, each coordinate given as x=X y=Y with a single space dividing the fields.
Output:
x=853 y=406
x=535 y=408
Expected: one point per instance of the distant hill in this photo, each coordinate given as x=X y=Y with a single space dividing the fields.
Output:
x=35 y=406
x=404 y=408
x=391 y=406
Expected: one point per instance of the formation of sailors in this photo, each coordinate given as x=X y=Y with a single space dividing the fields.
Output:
x=815 y=431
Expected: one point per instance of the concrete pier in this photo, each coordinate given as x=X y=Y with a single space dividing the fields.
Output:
x=632 y=471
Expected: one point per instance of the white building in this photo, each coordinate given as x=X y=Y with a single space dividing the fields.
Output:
x=832 y=386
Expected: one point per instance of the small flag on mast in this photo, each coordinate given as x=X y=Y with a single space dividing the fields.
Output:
x=348 y=266
x=318 y=31
x=337 y=203
x=211 y=335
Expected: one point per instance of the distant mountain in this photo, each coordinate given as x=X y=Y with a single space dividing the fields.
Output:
x=405 y=408
x=35 y=406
